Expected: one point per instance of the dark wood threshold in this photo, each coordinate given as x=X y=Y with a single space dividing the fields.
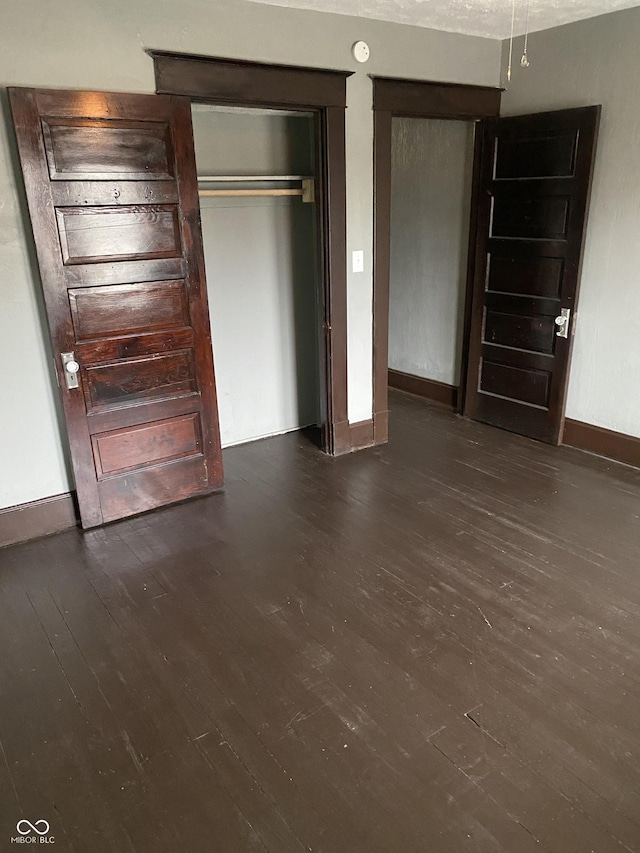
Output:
x=37 y=518
x=603 y=442
x=438 y=392
x=361 y=434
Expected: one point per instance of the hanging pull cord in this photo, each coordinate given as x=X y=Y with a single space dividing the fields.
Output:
x=524 y=59
x=513 y=19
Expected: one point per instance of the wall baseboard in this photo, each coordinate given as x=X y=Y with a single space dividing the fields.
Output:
x=603 y=442
x=361 y=434
x=55 y=514
x=430 y=389
x=37 y=518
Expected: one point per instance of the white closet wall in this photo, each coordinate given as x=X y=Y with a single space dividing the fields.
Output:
x=260 y=256
x=432 y=164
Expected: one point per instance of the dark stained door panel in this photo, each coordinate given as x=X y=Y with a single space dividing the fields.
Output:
x=535 y=185
x=112 y=192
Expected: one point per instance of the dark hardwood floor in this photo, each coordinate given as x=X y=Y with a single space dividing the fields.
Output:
x=433 y=646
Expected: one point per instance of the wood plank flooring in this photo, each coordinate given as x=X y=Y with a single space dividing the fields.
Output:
x=433 y=646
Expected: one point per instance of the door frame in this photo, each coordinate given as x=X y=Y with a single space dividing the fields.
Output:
x=239 y=83
x=399 y=98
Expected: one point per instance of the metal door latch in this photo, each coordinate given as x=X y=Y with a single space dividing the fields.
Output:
x=71 y=368
x=562 y=322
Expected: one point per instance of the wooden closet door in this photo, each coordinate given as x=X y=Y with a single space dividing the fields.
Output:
x=535 y=185
x=112 y=192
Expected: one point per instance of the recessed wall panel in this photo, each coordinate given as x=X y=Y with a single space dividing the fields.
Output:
x=124 y=309
x=108 y=150
x=539 y=156
x=133 y=232
x=530 y=276
x=517 y=383
x=139 y=380
x=540 y=217
x=122 y=450
x=520 y=331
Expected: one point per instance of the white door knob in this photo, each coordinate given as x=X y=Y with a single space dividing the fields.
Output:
x=72 y=367
x=562 y=322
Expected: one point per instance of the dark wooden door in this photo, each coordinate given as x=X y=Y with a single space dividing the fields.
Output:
x=112 y=192
x=534 y=194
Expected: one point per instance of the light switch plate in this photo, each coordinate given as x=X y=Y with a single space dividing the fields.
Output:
x=357 y=261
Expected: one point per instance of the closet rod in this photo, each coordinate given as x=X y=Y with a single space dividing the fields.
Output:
x=247 y=192
x=307 y=192
x=249 y=178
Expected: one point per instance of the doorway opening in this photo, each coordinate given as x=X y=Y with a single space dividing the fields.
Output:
x=256 y=177
x=436 y=106
x=234 y=83
x=529 y=201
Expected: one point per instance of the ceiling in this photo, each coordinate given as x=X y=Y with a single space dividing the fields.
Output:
x=489 y=18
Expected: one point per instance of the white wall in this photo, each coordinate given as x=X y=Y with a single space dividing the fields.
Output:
x=596 y=62
x=262 y=281
x=100 y=45
x=263 y=326
x=432 y=167
x=240 y=141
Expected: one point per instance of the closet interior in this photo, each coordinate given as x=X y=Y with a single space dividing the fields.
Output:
x=256 y=179
x=431 y=181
